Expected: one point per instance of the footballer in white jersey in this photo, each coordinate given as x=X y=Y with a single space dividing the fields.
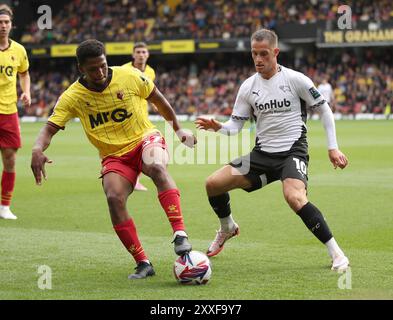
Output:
x=277 y=97
x=326 y=89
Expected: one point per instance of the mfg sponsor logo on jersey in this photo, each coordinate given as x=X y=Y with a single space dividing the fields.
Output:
x=272 y=104
x=117 y=115
x=8 y=70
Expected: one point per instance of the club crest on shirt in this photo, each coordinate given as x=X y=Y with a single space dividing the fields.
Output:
x=120 y=95
x=144 y=79
x=284 y=88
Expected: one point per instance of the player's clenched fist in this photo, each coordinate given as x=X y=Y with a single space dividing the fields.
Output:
x=338 y=159
x=187 y=138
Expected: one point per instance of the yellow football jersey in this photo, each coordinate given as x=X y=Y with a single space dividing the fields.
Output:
x=13 y=60
x=114 y=119
x=148 y=72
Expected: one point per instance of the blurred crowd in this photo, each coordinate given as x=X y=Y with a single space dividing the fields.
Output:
x=147 y=20
x=46 y=87
x=361 y=83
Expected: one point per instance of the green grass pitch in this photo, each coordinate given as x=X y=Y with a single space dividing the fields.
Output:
x=65 y=225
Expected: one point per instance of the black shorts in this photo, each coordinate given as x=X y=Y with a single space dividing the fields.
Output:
x=262 y=168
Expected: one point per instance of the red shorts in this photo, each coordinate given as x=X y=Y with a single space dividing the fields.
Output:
x=10 y=131
x=129 y=165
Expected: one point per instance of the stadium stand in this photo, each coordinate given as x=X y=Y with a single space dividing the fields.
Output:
x=361 y=76
x=139 y=20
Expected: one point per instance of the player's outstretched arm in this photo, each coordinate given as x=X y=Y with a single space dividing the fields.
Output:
x=207 y=124
x=38 y=158
x=166 y=110
x=231 y=127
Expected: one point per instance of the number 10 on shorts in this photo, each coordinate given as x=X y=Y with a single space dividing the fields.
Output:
x=300 y=165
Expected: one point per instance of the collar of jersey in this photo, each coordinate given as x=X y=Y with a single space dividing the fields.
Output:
x=83 y=82
x=279 y=69
x=132 y=63
x=9 y=46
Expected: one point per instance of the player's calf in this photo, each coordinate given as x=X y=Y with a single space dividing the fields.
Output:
x=315 y=222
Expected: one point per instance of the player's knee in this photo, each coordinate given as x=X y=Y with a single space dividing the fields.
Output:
x=295 y=199
x=211 y=184
x=9 y=161
x=157 y=172
x=9 y=166
x=116 y=200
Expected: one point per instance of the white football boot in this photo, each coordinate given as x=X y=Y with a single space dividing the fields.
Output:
x=5 y=213
x=340 y=263
x=221 y=237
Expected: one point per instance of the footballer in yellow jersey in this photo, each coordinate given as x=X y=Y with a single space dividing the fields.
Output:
x=108 y=101
x=13 y=62
x=140 y=54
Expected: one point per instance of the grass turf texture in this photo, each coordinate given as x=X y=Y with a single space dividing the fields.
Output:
x=65 y=224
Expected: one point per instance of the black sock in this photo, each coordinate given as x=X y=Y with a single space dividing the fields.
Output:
x=315 y=222
x=220 y=205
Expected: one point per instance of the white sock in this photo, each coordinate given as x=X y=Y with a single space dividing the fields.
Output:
x=227 y=223
x=4 y=207
x=333 y=248
x=181 y=233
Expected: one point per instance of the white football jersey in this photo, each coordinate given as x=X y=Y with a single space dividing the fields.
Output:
x=278 y=106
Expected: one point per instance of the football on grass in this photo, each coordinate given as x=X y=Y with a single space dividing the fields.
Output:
x=193 y=268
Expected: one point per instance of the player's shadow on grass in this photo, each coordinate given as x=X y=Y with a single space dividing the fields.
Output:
x=168 y=284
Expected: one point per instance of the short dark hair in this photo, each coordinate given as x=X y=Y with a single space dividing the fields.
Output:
x=89 y=49
x=139 y=45
x=4 y=9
